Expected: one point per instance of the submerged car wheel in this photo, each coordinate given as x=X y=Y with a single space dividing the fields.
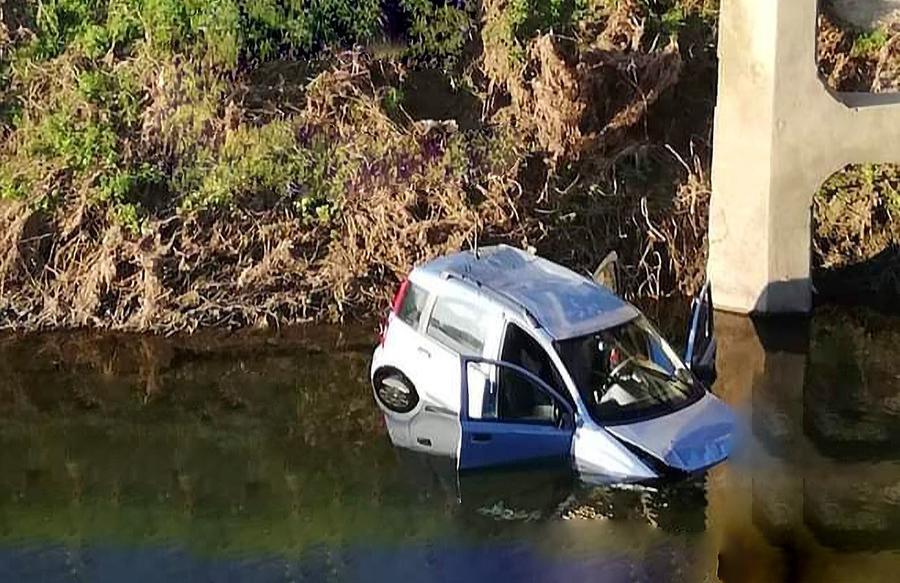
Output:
x=395 y=392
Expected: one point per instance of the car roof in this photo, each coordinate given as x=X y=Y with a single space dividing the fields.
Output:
x=564 y=303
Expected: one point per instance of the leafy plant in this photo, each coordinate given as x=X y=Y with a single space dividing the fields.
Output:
x=528 y=17
x=869 y=44
x=437 y=32
x=268 y=162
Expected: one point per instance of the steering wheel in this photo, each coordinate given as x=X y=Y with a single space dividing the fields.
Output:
x=619 y=367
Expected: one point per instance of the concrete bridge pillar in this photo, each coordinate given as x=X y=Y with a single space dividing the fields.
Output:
x=779 y=133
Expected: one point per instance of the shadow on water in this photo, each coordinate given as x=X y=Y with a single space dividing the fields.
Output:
x=812 y=495
x=260 y=456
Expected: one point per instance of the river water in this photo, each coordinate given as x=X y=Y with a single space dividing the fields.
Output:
x=260 y=457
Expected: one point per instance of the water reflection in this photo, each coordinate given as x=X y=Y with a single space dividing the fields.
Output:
x=812 y=496
x=261 y=457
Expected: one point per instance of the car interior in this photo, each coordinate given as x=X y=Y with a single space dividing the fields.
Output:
x=518 y=397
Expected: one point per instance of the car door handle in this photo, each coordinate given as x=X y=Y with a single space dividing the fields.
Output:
x=481 y=437
x=424 y=352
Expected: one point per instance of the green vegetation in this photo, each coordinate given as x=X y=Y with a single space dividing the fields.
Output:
x=169 y=164
x=220 y=31
x=437 y=32
x=869 y=44
x=673 y=17
x=857 y=212
x=512 y=24
x=123 y=102
x=241 y=162
x=528 y=17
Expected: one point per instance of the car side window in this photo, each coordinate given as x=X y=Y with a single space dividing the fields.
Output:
x=413 y=305
x=458 y=325
x=522 y=349
x=519 y=398
x=522 y=400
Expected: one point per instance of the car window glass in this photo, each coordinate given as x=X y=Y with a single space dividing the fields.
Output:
x=522 y=349
x=518 y=398
x=521 y=399
x=627 y=373
x=458 y=325
x=413 y=305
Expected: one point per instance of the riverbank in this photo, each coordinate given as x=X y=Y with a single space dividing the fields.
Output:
x=170 y=168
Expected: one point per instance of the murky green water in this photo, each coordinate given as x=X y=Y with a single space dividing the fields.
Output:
x=260 y=457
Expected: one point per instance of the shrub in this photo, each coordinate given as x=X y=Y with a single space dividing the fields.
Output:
x=529 y=17
x=268 y=166
x=220 y=31
x=868 y=44
x=437 y=32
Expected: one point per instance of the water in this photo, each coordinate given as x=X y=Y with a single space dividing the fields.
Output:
x=260 y=457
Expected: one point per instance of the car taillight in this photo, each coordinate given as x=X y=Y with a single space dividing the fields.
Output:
x=399 y=296
x=396 y=303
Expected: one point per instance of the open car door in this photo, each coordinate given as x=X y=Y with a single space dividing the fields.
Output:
x=607 y=273
x=700 y=354
x=489 y=440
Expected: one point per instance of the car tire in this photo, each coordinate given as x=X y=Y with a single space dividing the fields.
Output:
x=395 y=392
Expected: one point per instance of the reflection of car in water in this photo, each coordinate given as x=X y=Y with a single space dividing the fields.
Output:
x=501 y=358
x=542 y=494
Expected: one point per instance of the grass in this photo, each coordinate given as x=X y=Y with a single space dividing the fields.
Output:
x=194 y=162
x=124 y=102
x=437 y=33
x=869 y=44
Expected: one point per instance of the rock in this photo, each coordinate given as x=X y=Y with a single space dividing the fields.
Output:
x=866 y=14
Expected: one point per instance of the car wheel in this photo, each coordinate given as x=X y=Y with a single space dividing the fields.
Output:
x=395 y=392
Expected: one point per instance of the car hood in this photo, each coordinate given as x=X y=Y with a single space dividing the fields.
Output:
x=696 y=437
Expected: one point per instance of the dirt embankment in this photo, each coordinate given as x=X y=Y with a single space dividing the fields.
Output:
x=566 y=159
x=158 y=192
x=405 y=189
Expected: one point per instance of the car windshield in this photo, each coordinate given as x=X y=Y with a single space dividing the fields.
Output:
x=628 y=373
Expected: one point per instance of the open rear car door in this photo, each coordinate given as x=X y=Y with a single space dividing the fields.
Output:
x=488 y=440
x=700 y=354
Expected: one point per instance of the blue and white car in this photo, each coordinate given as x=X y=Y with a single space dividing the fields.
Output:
x=498 y=357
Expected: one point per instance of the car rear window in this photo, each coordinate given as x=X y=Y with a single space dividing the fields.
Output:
x=413 y=305
x=458 y=325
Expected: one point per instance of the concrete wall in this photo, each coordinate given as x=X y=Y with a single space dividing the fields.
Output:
x=779 y=133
